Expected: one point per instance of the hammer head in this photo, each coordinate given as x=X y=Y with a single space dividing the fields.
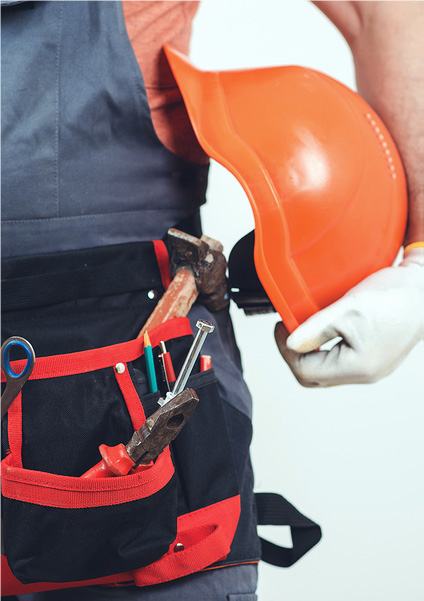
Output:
x=204 y=258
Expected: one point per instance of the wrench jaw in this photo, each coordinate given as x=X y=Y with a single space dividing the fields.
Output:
x=161 y=428
x=148 y=442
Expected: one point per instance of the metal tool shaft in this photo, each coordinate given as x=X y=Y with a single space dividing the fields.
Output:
x=205 y=328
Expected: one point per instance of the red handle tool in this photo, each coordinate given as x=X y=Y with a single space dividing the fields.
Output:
x=149 y=441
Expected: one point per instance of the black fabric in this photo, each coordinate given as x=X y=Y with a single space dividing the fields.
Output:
x=128 y=285
x=66 y=419
x=96 y=542
x=214 y=425
x=47 y=279
x=245 y=287
x=246 y=545
x=202 y=452
x=275 y=510
x=59 y=545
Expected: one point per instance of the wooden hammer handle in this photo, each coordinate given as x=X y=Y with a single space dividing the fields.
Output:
x=176 y=302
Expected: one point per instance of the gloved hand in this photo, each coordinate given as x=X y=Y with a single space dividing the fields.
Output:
x=380 y=320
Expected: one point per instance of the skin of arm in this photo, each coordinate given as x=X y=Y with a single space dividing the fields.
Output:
x=387 y=43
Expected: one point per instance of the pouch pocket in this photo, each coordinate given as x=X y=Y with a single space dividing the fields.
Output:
x=63 y=528
x=208 y=496
x=82 y=529
x=202 y=452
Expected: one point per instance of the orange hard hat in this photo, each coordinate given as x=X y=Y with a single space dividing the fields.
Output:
x=321 y=171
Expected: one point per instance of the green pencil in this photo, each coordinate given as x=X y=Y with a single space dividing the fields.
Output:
x=151 y=373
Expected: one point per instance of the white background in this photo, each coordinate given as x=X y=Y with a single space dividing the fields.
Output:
x=350 y=457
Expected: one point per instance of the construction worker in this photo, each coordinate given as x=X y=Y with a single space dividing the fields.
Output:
x=99 y=156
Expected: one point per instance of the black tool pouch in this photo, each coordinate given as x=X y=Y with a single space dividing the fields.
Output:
x=89 y=387
x=59 y=527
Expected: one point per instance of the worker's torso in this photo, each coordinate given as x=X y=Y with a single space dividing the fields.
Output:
x=81 y=163
x=83 y=168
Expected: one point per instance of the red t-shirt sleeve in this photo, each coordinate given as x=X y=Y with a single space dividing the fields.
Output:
x=150 y=25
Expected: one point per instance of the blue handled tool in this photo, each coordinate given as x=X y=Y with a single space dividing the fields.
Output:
x=14 y=381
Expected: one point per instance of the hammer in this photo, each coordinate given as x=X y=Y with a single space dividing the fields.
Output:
x=198 y=268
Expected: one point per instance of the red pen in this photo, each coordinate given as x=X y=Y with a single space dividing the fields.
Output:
x=167 y=364
x=205 y=362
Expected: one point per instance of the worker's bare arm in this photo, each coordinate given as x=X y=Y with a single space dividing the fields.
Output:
x=388 y=49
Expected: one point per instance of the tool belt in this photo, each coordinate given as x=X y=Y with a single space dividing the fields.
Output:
x=178 y=516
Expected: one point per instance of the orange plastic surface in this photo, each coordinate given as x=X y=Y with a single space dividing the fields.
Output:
x=321 y=172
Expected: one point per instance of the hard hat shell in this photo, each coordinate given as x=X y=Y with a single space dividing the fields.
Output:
x=321 y=171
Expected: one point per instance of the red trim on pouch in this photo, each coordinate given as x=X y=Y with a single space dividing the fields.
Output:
x=69 y=492
x=108 y=356
x=206 y=536
x=162 y=258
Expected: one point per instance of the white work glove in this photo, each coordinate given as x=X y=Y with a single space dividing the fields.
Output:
x=380 y=320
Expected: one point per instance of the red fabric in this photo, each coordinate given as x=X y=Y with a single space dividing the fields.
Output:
x=206 y=535
x=11 y=585
x=162 y=258
x=14 y=431
x=132 y=399
x=150 y=25
x=108 y=356
x=52 y=490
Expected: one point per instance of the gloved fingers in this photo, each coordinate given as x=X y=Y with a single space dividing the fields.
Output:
x=340 y=365
x=299 y=349
x=303 y=365
x=317 y=330
x=379 y=321
x=291 y=358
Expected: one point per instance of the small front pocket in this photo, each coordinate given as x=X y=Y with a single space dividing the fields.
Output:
x=202 y=452
x=83 y=529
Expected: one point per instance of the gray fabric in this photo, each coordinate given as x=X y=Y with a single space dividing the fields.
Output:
x=237 y=583
x=90 y=230
x=12 y=2
x=81 y=163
